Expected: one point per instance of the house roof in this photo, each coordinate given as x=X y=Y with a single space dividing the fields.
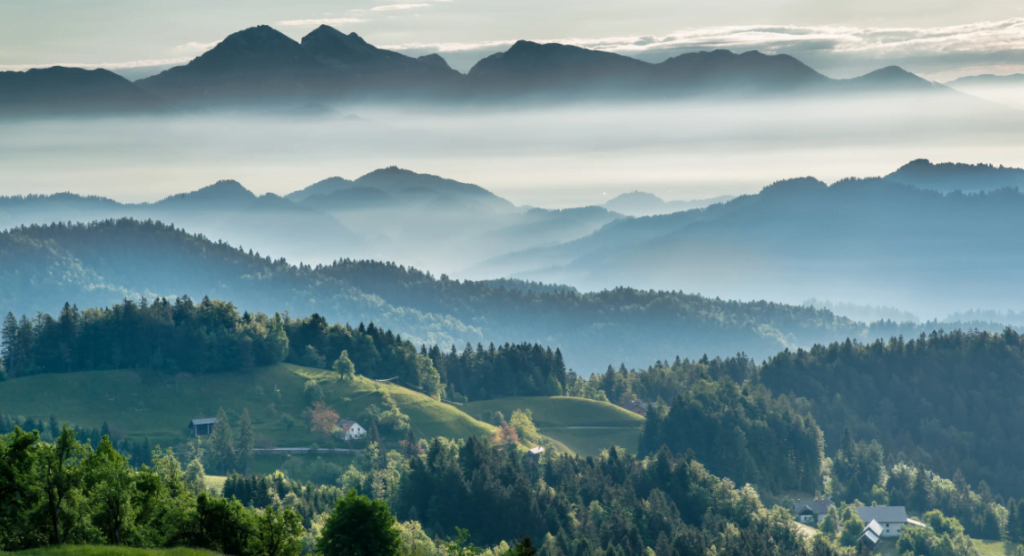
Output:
x=203 y=421
x=817 y=507
x=882 y=514
x=346 y=424
x=537 y=451
x=874 y=527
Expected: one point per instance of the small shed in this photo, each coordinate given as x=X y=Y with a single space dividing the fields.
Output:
x=535 y=453
x=872 y=534
x=199 y=427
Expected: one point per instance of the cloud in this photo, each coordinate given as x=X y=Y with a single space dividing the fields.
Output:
x=194 y=47
x=393 y=7
x=993 y=36
x=314 y=22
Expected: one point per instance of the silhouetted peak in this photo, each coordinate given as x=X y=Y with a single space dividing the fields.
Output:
x=893 y=75
x=224 y=191
x=261 y=36
x=434 y=60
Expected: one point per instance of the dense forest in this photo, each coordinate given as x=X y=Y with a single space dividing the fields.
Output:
x=741 y=433
x=947 y=400
x=64 y=492
x=99 y=264
x=212 y=337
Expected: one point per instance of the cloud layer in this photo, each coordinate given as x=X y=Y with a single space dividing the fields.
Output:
x=976 y=37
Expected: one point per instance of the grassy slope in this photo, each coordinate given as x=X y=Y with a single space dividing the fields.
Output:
x=111 y=551
x=558 y=417
x=153 y=404
x=994 y=548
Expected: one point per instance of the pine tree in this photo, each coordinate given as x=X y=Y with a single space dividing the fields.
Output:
x=222 y=444
x=9 y=344
x=246 y=441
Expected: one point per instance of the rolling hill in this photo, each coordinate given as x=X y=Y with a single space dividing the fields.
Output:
x=99 y=264
x=584 y=426
x=138 y=404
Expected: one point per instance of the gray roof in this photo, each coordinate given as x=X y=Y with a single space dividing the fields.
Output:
x=817 y=507
x=203 y=421
x=882 y=514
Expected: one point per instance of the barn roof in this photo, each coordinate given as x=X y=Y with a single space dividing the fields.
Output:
x=203 y=421
x=817 y=507
x=882 y=514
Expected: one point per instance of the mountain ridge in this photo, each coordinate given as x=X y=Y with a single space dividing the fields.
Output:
x=260 y=65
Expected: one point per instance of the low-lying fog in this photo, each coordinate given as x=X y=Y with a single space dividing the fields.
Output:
x=550 y=157
x=553 y=157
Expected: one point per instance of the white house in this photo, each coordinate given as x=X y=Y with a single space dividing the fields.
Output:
x=891 y=519
x=812 y=511
x=350 y=430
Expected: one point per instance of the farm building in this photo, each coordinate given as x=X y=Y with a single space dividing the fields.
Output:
x=812 y=511
x=350 y=430
x=892 y=519
x=199 y=427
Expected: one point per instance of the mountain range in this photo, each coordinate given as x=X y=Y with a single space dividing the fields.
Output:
x=261 y=65
x=881 y=241
x=390 y=213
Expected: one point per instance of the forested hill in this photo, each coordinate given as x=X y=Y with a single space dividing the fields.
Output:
x=99 y=264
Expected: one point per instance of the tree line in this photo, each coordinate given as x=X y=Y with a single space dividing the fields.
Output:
x=212 y=336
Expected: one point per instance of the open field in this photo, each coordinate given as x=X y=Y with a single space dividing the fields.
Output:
x=138 y=404
x=584 y=426
x=994 y=548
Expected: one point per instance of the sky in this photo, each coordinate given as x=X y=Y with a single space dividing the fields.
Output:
x=938 y=39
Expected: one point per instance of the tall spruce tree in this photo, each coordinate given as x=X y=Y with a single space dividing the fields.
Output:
x=222 y=444
x=246 y=441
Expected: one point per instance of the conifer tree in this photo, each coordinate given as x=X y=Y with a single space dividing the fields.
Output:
x=246 y=441
x=222 y=444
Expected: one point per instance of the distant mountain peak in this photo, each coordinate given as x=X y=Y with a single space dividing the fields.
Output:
x=220 y=193
x=893 y=76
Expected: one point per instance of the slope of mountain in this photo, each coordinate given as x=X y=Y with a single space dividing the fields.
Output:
x=225 y=211
x=531 y=66
x=640 y=203
x=256 y=63
x=168 y=403
x=727 y=71
x=890 y=79
x=875 y=241
x=987 y=79
x=322 y=187
x=71 y=91
x=357 y=59
x=949 y=176
x=398 y=181
x=1003 y=89
x=99 y=264
x=585 y=426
